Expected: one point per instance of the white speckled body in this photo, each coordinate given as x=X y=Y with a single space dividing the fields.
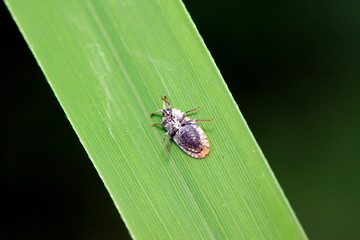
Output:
x=177 y=116
x=192 y=140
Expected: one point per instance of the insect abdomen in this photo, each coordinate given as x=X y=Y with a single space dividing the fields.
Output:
x=192 y=140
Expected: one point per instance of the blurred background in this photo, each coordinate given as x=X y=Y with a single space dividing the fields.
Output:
x=293 y=68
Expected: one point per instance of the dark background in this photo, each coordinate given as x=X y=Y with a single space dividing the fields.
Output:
x=293 y=69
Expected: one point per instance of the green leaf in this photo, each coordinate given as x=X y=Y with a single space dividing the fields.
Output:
x=109 y=62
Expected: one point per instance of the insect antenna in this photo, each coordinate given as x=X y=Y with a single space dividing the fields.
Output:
x=163 y=98
x=170 y=109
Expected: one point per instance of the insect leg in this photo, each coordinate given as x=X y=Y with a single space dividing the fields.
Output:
x=194 y=120
x=159 y=124
x=202 y=120
x=169 y=144
x=191 y=110
x=156 y=112
x=167 y=133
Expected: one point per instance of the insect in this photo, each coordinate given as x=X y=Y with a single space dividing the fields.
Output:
x=184 y=131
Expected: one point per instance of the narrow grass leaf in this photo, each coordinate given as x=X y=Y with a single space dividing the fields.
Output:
x=109 y=62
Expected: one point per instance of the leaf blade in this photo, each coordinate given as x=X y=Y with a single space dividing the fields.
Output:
x=108 y=63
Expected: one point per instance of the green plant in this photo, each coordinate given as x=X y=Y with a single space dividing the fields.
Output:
x=108 y=63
